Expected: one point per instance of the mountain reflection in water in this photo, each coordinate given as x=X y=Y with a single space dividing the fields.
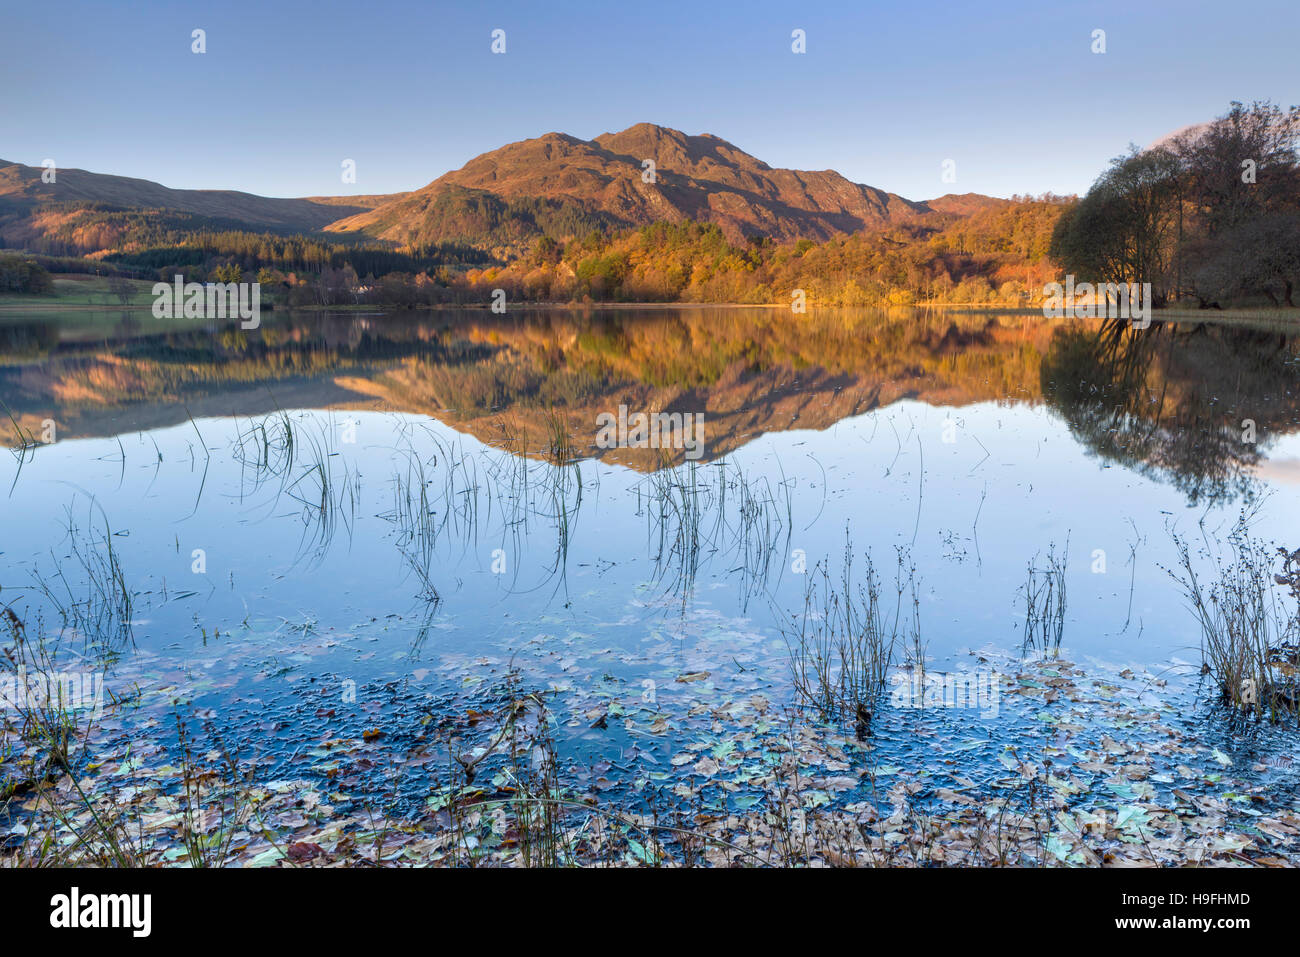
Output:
x=1193 y=404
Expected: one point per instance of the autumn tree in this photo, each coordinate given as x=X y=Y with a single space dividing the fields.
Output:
x=1241 y=167
x=1124 y=229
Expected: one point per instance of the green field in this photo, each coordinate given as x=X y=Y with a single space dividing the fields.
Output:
x=80 y=290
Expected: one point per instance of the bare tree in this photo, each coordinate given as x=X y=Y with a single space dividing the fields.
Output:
x=122 y=288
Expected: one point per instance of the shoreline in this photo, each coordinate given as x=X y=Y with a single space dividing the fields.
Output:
x=1068 y=793
x=1279 y=318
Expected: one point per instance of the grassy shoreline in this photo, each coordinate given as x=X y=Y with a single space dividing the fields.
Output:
x=821 y=798
x=92 y=294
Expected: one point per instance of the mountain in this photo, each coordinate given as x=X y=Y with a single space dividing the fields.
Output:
x=965 y=204
x=704 y=178
x=1189 y=133
x=554 y=185
x=21 y=186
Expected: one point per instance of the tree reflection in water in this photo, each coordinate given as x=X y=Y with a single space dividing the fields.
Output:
x=1175 y=401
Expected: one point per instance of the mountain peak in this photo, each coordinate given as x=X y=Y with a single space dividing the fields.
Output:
x=673 y=149
x=964 y=204
x=582 y=183
x=644 y=129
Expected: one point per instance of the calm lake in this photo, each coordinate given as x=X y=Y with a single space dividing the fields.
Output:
x=340 y=525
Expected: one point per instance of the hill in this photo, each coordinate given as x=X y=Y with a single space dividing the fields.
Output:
x=531 y=187
x=21 y=187
x=501 y=203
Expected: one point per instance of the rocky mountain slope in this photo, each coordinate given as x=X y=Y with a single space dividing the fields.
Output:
x=703 y=178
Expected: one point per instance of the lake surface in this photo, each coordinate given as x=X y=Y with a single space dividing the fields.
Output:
x=337 y=523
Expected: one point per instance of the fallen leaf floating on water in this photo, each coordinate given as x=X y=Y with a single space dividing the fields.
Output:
x=303 y=851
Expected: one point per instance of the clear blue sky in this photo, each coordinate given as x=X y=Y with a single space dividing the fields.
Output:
x=409 y=90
